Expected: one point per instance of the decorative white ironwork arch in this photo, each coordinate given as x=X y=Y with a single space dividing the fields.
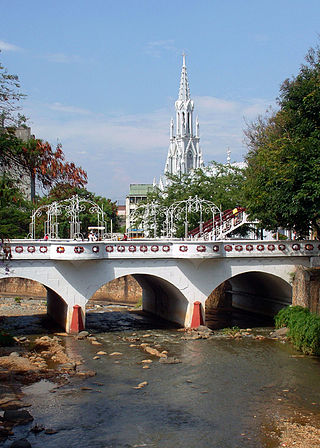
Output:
x=181 y=210
x=72 y=207
x=151 y=214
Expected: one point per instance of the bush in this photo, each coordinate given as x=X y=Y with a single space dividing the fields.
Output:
x=304 y=328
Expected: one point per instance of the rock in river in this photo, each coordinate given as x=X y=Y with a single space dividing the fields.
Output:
x=22 y=443
x=17 y=417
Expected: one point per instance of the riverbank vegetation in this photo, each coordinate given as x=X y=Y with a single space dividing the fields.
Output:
x=304 y=328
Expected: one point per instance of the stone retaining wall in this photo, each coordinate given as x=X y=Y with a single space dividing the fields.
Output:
x=306 y=288
x=121 y=290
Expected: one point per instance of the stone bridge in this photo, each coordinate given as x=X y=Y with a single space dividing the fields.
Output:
x=176 y=276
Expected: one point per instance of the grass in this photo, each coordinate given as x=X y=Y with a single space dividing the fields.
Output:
x=304 y=328
x=231 y=331
x=139 y=303
x=17 y=299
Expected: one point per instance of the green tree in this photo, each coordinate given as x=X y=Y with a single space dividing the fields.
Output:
x=218 y=183
x=283 y=174
x=15 y=211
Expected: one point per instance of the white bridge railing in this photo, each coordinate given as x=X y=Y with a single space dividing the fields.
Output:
x=144 y=249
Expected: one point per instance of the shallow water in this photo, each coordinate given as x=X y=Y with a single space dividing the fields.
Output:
x=222 y=395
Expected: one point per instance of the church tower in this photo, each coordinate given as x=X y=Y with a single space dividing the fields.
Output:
x=184 y=152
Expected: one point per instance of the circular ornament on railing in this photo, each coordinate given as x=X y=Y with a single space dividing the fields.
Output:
x=78 y=249
x=19 y=249
x=201 y=248
x=109 y=248
x=60 y=249
x=281 y=247
x=309 y=246
x=296 y=246
x=31 y=249
x=271 y=247
x=260 y=247
x=183 y=248
x=155 y=248
x=132 y=248
x=43 y=249
x=249 y=247
x=121 y=248
x=215 y=248
x=228 y=248
x=143 y=248
x=238 y=248
x=165 y=248
x=95 y=249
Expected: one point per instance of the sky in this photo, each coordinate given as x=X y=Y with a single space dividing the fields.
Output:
x=101 y=76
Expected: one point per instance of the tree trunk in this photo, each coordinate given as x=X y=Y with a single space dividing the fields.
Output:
x=32 y=187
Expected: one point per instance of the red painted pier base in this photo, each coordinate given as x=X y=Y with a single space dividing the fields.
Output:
x=197 y=318
x=76 y=321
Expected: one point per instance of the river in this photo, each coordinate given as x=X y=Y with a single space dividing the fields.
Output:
x=225 y=393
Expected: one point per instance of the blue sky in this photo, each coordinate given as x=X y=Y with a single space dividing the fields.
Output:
x=102 y=76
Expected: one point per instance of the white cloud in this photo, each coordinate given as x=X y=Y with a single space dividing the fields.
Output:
x=5 y=46
x=62 y=58
x=157 y=47
x=211 y=104
x=69 y=109
x=120 y=149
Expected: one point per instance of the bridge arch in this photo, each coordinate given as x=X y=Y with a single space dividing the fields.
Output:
x=159 y=297
x=28 y=286
x=252 y=291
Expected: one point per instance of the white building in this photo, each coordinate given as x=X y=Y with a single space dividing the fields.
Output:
x=137 y=194
x=184 y=152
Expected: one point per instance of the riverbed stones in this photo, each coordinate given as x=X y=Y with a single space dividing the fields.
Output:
x=170 y=360
x=82 y=335
x=37 y=428
x=22 y=443
x=115 y=354
x=50 y=431
x=281 y=332
x=153 y=351
x=141 y=385
x=101 y=353
x=21 y=417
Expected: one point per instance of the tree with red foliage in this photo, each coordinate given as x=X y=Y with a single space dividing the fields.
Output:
x=36 y=159
x=48 y=166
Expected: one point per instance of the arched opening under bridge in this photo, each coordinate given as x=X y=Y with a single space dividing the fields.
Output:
x=137 y=301
x=247 y=300
x=29 y=307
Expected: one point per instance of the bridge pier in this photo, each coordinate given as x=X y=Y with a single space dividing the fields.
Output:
x=68 y=316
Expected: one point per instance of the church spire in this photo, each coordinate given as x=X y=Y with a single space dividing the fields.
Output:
x=184 y=91
x=184 y=152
